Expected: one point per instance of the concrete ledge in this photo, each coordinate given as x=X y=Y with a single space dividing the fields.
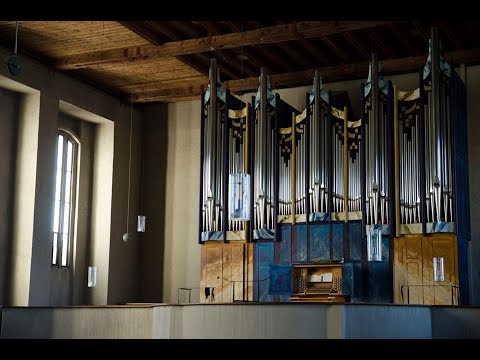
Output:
x=242 y=321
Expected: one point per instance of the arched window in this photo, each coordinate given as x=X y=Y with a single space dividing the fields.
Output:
x=64 y=210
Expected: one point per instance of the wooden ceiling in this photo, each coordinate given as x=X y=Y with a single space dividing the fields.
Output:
x=168 y=61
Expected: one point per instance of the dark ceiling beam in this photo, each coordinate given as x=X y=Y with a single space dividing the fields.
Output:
x=258 y=62
x=313 y=50
x=357 y=44
x=225 y=55
x=421 y=28
x=388 y=51
x=140 y=28
x=402 y=40
x=192 y=60
x=340 y=53
x=449 y=32
x=294 y=54
x=266 y=35
x=329 y=74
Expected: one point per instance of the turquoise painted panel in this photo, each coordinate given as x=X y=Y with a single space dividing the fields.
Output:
x=319 y=242
x=338 y=241
x=302 y=241
x=285 y=245
x=354 y=229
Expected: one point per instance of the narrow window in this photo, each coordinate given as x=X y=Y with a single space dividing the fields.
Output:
x=64 y=199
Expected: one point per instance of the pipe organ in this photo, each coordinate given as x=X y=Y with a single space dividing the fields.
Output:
x=224 y=157
x=328 y=184
x=317 y=158
x=290 y=163
x=264 y=129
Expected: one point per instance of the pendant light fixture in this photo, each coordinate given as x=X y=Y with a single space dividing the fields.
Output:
x=128 y=236
x=141 y=218
x=13 y=61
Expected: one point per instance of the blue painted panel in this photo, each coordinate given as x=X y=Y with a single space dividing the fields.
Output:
x=301 y=243
x=385 y=249
x=280 y=280
x=264 y=253
x=357 y=283
x=379 y=287
x=355 y=229
x=263 y=273
x=319 y=242
x=347 y=278
x=285 y=245
x=264 y=256
x=338 y=241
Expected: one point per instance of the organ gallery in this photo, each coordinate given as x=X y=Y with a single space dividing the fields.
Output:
x=320 y=204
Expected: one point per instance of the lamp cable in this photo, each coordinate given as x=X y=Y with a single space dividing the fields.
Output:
x=129 y=163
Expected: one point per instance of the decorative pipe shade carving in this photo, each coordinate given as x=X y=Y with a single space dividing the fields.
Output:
x=239 y=193
x=438 y=269
x=374 y=245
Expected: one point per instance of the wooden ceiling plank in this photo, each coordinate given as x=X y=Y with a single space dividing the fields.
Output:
x=266 y=35
x=141 y=28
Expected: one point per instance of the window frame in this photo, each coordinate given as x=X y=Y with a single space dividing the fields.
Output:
x=67 y=136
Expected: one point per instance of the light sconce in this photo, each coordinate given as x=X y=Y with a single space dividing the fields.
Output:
x=92 y=276
x=141 y=218
x=374 y=245
x=438 y=269
x=239 y=200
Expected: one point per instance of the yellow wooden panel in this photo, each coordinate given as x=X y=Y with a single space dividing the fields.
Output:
x=414 y=247
x=249 y=266
x=399 y=269
x=413 y=265
x=444 y=292
x=214 y=271
x=427 y=273
x=203 y=271
x=225 y=292
x=225 y=266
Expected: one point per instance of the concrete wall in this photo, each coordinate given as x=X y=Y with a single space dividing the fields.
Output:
x=77 y=323
x=9 y=105
x=38 y=115
x=81 y=254
x=243 y=321
x=456 y=323
x=181 y=251
x=155 y=138
x=473 y=110
x=384 y=322
x=24 y=200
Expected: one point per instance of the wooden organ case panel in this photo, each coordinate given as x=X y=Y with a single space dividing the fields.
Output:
x=226 y=272
x=432 y=216
x=414 y=277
